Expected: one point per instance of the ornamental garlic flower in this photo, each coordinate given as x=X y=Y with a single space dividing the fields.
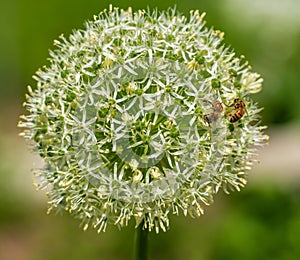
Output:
x=142 y=114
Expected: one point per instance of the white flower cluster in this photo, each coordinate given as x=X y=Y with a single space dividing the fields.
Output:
x=140 y=115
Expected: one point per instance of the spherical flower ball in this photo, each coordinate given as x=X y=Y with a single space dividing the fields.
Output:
x=140 y=115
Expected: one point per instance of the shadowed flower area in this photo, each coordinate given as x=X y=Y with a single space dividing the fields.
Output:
x=142 y=114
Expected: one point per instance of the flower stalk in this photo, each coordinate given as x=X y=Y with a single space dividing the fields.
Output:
x=141 y=243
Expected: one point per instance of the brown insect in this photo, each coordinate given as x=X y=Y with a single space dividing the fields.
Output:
x=240 y=109
x=217 y=109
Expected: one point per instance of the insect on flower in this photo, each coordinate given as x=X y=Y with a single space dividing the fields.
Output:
x=217 y=109
x=240 y=109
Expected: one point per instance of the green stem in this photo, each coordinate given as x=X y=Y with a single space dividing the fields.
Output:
x=141 y=243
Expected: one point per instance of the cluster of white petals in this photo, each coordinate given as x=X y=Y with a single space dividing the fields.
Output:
x=133 y=117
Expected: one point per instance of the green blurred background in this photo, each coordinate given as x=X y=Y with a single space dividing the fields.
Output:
x=260 y=222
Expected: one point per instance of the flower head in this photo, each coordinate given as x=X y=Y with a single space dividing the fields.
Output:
x=136 y=116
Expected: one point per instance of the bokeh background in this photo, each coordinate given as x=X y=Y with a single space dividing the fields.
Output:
x=260 y=222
